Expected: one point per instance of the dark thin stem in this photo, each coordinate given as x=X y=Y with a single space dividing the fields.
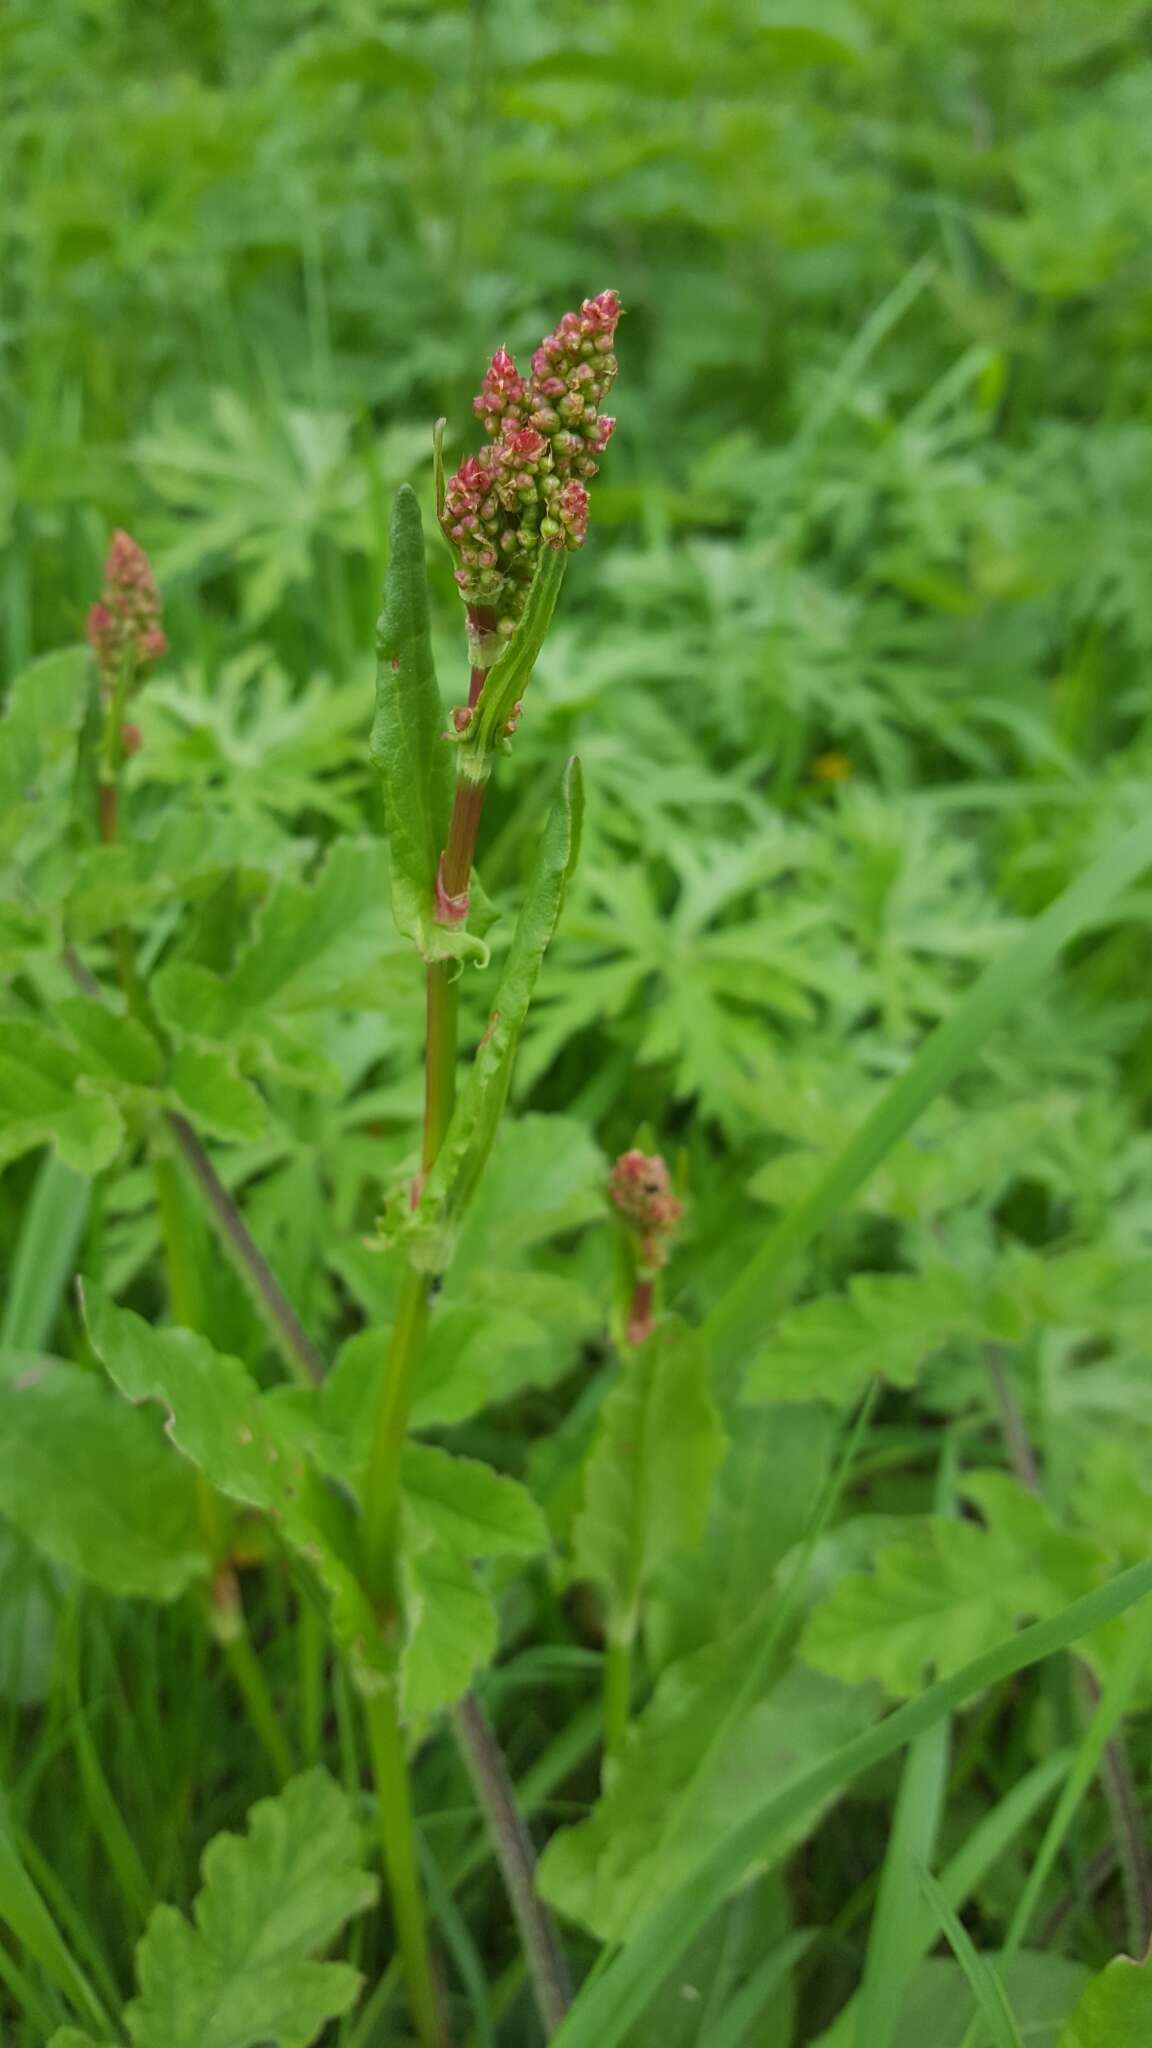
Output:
x=1012 y=1422
x=1116 y=1774
x=517 y=1859
x=301 y=1356
x=1124 y=1803
x=296 y=1347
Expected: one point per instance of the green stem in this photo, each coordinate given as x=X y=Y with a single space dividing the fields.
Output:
x=617 y=1693
x=231 y=1632
x=398 y=1841
x=389 y=1433
x=440 y=1058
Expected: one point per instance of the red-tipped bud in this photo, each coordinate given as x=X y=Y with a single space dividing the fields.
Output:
x=640 y=1190
x=125 y=624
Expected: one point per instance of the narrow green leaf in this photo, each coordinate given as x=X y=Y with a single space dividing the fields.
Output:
x=471 y=1134
x=23 y=1910
x=648 y=1480
x=983 y=1981
x=613 y=2002
x=508 y=677
x=737 y=1319
x=407 y=741
x=42 y=1261
x=893 y=1943
x=1115 y=2010
x=94 y=1485
x=243 y=1975
x=991 y=1838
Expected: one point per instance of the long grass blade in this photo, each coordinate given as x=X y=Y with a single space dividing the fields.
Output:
x=741 y=1313
x=983 y=1981
x=606 y=2009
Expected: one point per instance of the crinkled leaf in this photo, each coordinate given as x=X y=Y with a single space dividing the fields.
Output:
x=886 y=1325
x=181 y=861
x=204 y=1083
x=681 y=1787
x=95 y=1486
x=467 y=1507
x=452 y=1181
x=1115 y=2010
x=317 y=945
x=46 y=1097
x=648 y=1480
x=240 y=1439
x=112 y=1043
x=772 y=1476
x=558 y=1158
x=38 y=735
x=505 y=1332
x=450 y=1627
x=407 y=740
x=951 y=1590
x=241 y=1974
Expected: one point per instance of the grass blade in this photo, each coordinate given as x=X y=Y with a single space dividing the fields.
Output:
x=983 y=1982
x=607 y=2008
x=45 y=1255
x=738 y=1317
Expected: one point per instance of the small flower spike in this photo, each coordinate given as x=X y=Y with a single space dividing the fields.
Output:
x=126 y=621
x=641 y=1192
x=528 y=488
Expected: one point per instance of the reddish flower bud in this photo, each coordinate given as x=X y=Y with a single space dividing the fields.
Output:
x=641 y=1192
x=124 y=626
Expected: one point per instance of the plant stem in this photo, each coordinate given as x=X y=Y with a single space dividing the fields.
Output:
x=517 y=1859
x=463 y=828
x=389 y=1434
x=617 y=1693
x=440 y=1058
x=398 y=1841
x=230 y=1630
x=296 y=1348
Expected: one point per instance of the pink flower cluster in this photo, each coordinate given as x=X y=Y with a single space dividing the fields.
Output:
x=528 y=488
x=126 y=621
x=641 y=1191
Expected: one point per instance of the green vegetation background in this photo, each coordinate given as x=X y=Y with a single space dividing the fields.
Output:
x=856 y=657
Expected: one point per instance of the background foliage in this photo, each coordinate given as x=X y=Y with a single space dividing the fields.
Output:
x=856 y=661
